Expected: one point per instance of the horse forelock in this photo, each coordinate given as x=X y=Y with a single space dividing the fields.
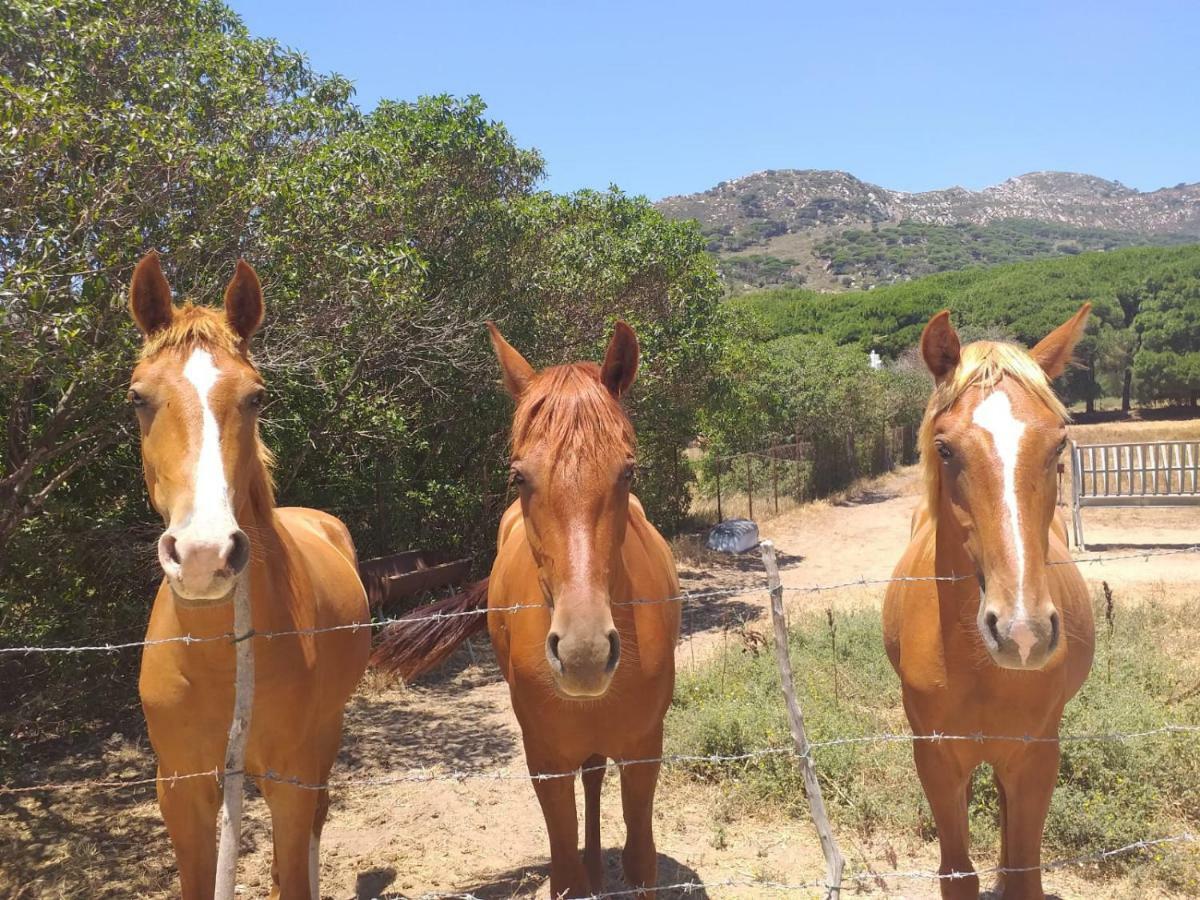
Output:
x=569 y=413
x=196 y=326
x=984 y=365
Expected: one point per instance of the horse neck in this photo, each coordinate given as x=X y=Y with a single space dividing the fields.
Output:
x=257 y=509
x=950 y=544
x=272 y=570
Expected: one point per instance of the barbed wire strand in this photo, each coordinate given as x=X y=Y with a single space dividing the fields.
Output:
x=427 y=775
x=684 y=597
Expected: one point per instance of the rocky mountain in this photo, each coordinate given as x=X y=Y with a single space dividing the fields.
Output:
x=830 y=229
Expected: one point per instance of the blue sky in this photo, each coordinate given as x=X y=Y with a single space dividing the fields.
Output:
x=668 y=98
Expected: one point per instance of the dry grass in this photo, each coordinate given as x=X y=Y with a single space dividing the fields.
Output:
x=1136 y=430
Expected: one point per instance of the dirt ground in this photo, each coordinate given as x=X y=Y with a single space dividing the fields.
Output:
x=484 y=836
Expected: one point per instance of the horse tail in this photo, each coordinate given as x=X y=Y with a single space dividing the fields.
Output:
x=421 y=641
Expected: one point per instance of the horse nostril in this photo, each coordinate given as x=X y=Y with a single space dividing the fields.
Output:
x=169 y=549
x=239 y=553
x=1054 y=630
x=614 y=651
x=991 y=621
x=552 y=647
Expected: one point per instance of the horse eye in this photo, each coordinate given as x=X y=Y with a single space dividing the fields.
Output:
x=628 y=472
x=135 y=398
x=515 y=477
x=1062 y=448
x=944 y=451
x=257 y=399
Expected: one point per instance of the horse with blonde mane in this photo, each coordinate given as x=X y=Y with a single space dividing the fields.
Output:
x=1000 y=644
x=197 y=396
x=590 y=671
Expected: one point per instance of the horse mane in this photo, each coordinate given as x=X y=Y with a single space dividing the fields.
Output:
x=568 y=409
x=199 y=326
x=983 y=365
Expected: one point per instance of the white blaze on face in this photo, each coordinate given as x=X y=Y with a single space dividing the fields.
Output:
x=211 y=512
x=579 y=547
x=995 y=416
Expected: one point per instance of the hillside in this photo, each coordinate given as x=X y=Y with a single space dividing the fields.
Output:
x=1143 y=342
x=830 y=230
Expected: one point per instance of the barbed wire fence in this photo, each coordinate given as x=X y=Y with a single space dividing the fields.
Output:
x=802 y=750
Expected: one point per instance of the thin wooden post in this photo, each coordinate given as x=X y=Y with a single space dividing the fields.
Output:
x=774 y=481
x=749 y=488
x=234 y=777
x=834 y=862
x=720 y=518
x=380 y=537
x=799 y=489
x=1076 y=490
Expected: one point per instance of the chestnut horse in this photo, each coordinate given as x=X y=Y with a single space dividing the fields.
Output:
x=1000 y=651
x=197 y=396
x=590 y=672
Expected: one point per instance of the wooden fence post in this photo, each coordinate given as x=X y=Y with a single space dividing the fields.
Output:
x=834 y=862
x=234 y=777
x=799 y=488
x=774 y=481
x=749 y=488
x=720 y=518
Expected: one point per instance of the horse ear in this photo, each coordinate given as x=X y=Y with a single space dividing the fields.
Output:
x=620 y=361
x=516 y=372
x=1054 y=351
x=940 y=347
x=244 y=301
x=150 y=296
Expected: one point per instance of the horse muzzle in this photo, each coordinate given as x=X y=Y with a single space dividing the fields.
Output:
x=583 y=665
x=202 y=570
x=1020 y=640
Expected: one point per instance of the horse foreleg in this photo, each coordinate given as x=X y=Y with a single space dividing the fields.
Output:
x=293 y=816
x=1028 y=784
x=593 y=781
x=189 y=808
x=330 y=742
x=557 y=798
x=640 y=858
x=946 y=781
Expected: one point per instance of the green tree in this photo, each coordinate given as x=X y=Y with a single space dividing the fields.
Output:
x=1166 y=365
x=384 y=241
